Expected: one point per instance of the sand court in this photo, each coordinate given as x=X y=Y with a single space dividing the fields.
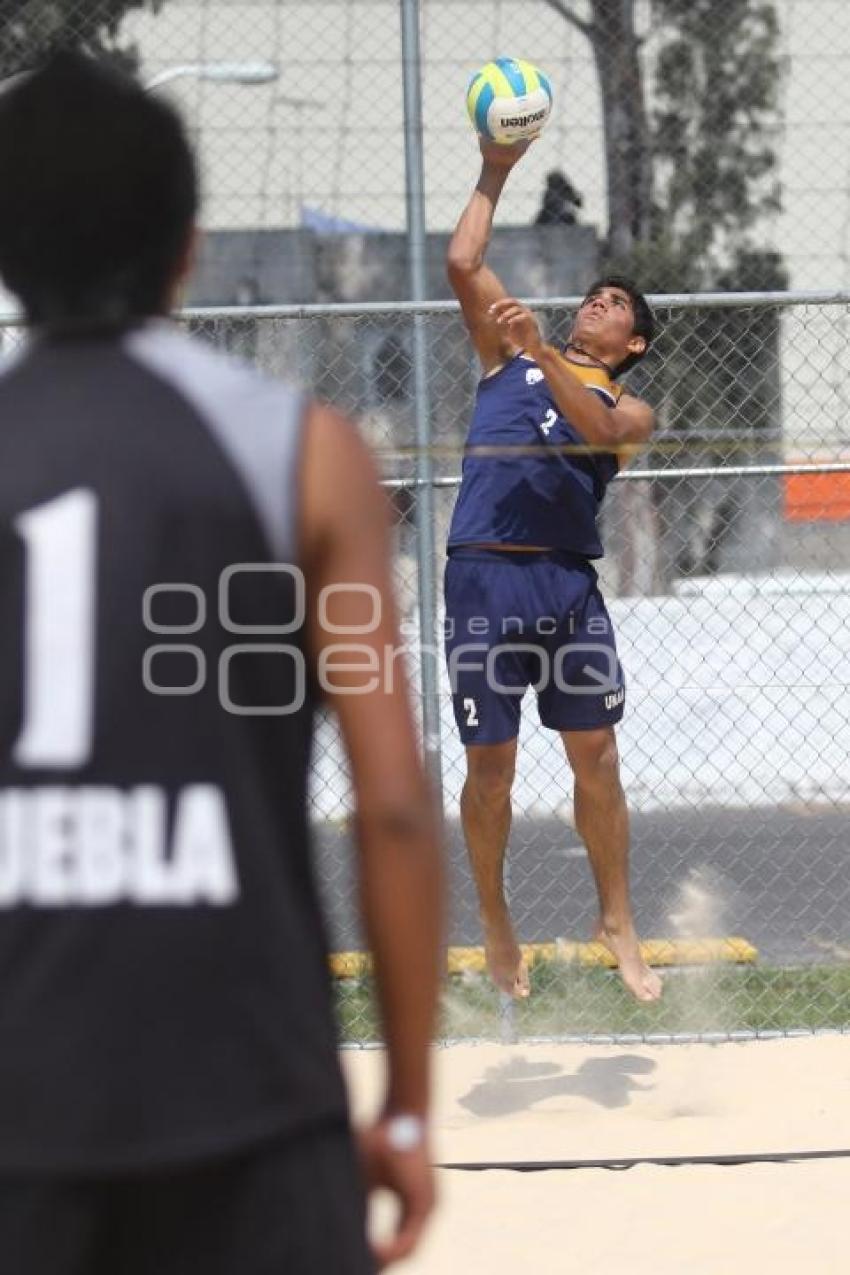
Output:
x=502 y=1104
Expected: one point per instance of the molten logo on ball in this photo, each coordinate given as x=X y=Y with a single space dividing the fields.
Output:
x=522 y=121
x=509 y=100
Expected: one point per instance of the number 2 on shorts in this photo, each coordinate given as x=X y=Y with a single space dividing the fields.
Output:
x=471 y=710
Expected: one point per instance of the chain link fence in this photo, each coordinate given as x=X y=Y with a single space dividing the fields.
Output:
x=740 y=115
x=728 y=586
x=726 y=574
x=726 y=541
x=727 y=580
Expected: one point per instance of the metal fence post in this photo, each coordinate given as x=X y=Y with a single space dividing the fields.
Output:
x=416 y=248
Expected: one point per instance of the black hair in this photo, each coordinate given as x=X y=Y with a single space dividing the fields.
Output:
x=644 y=319
x=98 y=195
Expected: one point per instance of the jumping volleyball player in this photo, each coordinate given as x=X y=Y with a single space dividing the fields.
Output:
x=170 y=1095
x=522 y=603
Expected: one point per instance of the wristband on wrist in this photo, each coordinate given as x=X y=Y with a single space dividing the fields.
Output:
x=405 y=1132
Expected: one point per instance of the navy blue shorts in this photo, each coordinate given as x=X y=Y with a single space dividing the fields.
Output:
x=515 y=620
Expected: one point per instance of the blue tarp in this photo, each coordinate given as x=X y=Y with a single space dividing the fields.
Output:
x=323 y=223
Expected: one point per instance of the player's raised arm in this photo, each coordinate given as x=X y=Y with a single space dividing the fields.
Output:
x=474 y=283
x=345 y=518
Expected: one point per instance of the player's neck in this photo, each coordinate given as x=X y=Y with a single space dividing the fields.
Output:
x=575 y=353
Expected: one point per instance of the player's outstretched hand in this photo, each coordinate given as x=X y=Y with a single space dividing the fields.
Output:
x=519 y=323
x=502 y=155
x=407 y=1174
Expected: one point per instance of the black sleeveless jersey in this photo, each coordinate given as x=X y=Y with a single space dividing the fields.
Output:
x=164 y=992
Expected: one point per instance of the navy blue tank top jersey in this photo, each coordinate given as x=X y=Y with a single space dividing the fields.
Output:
x=522 y=483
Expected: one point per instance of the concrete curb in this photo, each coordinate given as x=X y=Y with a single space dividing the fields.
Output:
x=733 y=950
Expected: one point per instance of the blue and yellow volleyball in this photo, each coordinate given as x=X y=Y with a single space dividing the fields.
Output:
x=509 y=100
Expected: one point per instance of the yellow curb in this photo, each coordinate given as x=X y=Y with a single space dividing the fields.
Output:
x=350 y=964
x=733 y=950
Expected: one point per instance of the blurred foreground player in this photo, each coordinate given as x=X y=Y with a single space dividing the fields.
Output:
x=170 y=1098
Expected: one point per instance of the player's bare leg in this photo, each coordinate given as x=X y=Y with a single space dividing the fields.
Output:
x=485 y=810
x=602 y=822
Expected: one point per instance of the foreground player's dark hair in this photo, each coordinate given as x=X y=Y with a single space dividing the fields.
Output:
x=644 y=324
x=98 y=195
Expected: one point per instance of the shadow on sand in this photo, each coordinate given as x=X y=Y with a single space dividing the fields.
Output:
x=518 y=1084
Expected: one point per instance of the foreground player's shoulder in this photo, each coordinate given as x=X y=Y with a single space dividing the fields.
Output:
x=208 y=377
x=14 y=360
x=257 y=421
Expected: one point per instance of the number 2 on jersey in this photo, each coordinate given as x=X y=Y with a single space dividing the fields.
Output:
x=60 y=544
x=548 y=424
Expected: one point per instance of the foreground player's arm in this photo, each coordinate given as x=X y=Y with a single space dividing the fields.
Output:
x=345 y=521
x=630 y=423
x=475 y=285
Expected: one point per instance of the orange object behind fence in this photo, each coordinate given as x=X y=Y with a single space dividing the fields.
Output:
x=817 y=497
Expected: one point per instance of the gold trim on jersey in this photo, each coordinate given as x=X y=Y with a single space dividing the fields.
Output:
x=594 y=378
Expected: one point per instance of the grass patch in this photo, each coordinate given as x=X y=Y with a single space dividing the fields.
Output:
x=567 y=1000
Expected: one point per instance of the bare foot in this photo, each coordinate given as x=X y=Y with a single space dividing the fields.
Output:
x=505 y=962
x=643 y=983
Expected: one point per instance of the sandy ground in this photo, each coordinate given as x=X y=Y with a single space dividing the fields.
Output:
x=555 y=1102
x=769 y=1219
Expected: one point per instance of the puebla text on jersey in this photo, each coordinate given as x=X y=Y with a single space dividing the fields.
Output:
x=164 y=992
x=527 y=478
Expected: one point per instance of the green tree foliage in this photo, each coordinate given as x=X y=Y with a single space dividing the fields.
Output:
x=689 y=115
x=716 y=84
x=30 y=29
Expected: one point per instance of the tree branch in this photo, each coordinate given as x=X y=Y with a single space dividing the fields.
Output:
x=568 y=16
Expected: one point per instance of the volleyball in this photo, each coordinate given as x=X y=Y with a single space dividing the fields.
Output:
x=508 y=100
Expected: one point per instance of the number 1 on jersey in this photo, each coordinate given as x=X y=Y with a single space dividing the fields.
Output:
x=60 y=540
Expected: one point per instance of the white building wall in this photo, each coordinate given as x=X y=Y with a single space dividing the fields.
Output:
x=329 y=133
